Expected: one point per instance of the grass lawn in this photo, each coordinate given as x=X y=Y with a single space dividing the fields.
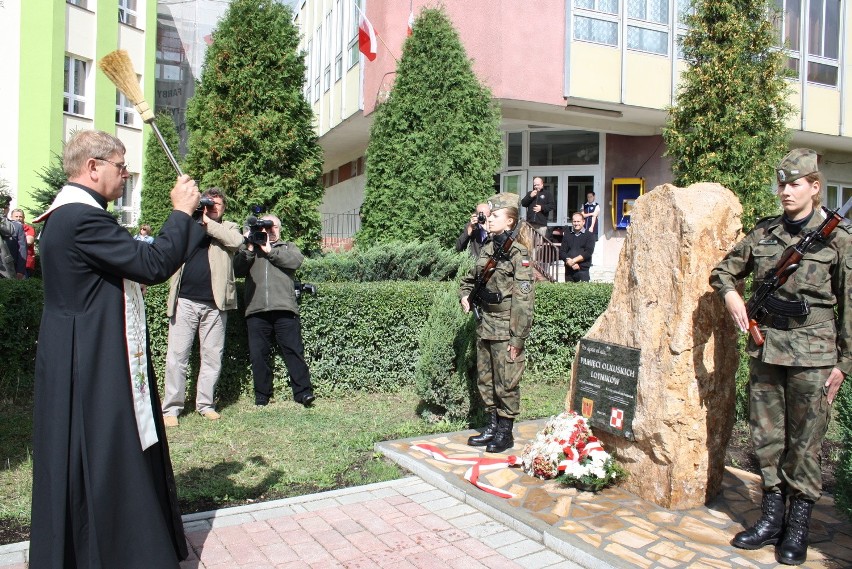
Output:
x=261 y=453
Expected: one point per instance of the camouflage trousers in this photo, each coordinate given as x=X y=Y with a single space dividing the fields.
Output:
x=499 y=379
x=789 y=415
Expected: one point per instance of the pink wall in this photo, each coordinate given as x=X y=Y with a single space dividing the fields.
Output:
x=517 y=48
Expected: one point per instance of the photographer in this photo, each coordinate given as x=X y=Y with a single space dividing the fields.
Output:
x=475 y=233
x=200 y=294
x=272 y=312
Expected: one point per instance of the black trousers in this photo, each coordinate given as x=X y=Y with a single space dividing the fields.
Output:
x=286 y=329
x=581 y=276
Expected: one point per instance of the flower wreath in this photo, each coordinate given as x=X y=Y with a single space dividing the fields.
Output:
x=566 y=449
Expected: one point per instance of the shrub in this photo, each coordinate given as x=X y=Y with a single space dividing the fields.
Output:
x=20 y=316
x=843 y=473
x=445 y=374
x=564 y=312
x=396 y=260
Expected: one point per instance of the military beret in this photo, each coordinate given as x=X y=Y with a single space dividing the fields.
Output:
x=499 y=201
x=797 y=164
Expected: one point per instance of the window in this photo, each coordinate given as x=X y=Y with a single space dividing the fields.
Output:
x=317 y=63
x=124 y=205
x=124 y=112
x=74 y=101
x=596 y=21
x=326 y=74
x=836 y=195
x=684 y=9
x=354 y=20
x=80 y=3
x=564 y=148
x=170 y=55
x=515 y=150
x=823 y=38
x=340 y=40
x=127 y=12
x=647 y=28
x=309 y=60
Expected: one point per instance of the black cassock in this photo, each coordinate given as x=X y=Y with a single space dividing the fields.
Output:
x=99 y=500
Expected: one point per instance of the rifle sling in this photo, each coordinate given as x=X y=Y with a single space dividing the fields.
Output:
x=816 y=316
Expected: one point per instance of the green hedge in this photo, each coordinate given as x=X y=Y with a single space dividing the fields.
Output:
x=393 y=261
x=20 y=316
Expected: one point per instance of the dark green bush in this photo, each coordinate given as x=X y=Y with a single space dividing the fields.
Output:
x=843 y=472
x=20 y=315
x=564 y=312
x=445 y=375
x=393 y=261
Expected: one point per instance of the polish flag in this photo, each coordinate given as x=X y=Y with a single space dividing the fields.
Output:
x=410 y=23
x=367 y=42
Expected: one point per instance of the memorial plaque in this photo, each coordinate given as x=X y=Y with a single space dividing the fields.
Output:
x=605 y=393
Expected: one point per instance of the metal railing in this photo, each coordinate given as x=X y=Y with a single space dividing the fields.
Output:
x=545 y=257
x=338 y=229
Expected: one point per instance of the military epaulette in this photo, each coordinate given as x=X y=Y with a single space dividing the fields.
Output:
x=764 y=221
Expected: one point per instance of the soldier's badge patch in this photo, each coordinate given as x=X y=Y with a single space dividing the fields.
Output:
x=525 y=286
x=768 y=242
x=525 y=263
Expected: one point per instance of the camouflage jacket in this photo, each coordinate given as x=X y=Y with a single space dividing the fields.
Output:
x=512 y=318
x=824 y=280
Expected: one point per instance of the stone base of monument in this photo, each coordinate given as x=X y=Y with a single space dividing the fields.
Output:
x=662 y=306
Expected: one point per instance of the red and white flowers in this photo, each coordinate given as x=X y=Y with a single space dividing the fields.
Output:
x=566 y=449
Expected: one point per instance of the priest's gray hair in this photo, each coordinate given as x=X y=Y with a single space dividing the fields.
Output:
x=87 y=144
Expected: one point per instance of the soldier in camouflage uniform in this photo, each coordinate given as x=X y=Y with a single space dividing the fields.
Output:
x=505 y=324
x=796 y=374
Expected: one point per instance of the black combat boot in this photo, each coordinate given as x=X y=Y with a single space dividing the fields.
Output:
x=485 y=436
x=769 y=526
x=793 y=549
x=503 y=437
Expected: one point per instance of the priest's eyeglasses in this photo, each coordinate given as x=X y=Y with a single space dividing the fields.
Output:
x=122 y=166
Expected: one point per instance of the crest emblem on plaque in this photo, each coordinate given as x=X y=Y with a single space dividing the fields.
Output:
x=588 y=407
x=616 y=419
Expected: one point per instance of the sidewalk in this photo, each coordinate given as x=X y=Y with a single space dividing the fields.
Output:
x=399 y=524
x=615 y=529
x=438 y=519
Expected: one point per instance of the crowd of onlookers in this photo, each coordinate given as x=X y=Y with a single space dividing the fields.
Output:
x=17 y=246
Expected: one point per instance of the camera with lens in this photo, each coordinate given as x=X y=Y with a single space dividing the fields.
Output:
x=203 y=203
x=257 y=230
x=306 y=288
x=480 y=217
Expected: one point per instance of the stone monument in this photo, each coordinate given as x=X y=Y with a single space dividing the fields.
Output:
x=663 y=305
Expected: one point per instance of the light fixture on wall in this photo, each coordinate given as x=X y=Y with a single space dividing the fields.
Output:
x=593 y=111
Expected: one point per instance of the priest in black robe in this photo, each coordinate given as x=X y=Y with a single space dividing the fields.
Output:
x=103 y=488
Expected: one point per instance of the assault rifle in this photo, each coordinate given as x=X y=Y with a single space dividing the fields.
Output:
x=763 y=302
x=479 y=295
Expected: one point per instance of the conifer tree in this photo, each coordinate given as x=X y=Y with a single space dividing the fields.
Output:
x=53 y=178
x=728 y=122
x=435 y=142
x=159 y=175
x=250 y=125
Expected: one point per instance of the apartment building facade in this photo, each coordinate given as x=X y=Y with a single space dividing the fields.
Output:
x=582 y=86
x=52 y=48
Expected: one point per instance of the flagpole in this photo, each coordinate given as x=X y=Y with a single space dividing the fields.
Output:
x=381 y=39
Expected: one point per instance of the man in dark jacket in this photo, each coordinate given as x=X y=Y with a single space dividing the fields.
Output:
x=272 y=312
x=539 y=203
x=576 y=250
x=474 y=234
